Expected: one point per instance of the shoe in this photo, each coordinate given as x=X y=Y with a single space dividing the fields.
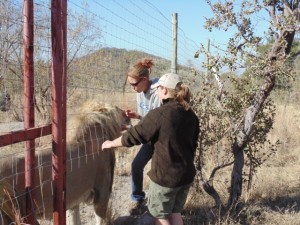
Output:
x=137 y=208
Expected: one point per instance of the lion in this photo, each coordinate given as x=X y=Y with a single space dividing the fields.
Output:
x=89 y=170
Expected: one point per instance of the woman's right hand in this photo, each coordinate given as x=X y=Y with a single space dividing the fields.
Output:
x=106 y=144
x=131 y=114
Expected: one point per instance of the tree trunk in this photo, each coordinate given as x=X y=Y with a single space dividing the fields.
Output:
x=244 y=132
x=236 y=175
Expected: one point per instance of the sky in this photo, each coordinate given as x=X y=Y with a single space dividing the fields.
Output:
x=123 y=18
x=191 y=17
x=191 y=14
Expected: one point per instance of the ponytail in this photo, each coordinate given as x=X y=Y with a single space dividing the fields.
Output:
x=182 y=95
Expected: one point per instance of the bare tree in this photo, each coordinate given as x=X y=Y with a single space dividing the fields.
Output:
x=10 y=38
x=83 y=38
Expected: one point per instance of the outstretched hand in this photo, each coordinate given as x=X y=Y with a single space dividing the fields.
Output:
x=107 y=144
x=112 y=144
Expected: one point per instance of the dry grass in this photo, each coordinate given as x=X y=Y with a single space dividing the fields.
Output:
x=124 y=101
x=275 y=196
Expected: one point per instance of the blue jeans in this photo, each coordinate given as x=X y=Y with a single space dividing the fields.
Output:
x=137 y=170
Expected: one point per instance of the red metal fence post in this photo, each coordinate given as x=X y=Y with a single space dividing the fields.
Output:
x=65 y=64
x=28 y=49
x=58 y=114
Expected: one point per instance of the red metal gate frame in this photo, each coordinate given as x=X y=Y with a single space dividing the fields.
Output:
x=58 y=126
x=59 y=77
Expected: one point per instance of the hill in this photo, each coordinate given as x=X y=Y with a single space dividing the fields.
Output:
x=106 y=68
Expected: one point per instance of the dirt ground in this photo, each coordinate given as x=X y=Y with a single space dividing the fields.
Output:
x=119 y=206
x=120 y=201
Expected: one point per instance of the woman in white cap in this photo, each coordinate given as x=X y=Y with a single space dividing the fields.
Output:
x=173 y=131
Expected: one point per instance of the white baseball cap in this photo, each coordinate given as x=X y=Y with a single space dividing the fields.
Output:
x=169 y=80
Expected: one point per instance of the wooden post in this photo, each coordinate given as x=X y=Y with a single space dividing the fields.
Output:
x=29 y=119
x=174 y=36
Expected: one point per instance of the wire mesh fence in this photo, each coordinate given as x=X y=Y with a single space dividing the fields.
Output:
x=104 y=40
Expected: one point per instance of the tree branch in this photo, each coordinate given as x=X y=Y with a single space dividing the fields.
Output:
x=208 y=186
x=287 y=10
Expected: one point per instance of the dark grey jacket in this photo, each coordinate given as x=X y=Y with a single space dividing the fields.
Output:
x=173 y=133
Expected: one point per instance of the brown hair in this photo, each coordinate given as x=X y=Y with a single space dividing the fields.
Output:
x=141 y=69
x=181 y=94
